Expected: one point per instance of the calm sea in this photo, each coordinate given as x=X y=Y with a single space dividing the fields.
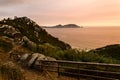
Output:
x=87 y=38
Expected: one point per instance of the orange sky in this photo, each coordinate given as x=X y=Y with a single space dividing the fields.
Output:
x=53 y=12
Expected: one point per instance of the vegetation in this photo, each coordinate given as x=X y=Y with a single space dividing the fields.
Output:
x=11 y=72
x=77 y=55
x=112 y=51
x=6 y=46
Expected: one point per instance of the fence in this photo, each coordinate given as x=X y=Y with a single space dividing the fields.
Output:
x=99 y=71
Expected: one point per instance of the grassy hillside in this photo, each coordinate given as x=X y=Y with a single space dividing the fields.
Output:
x=112 y=51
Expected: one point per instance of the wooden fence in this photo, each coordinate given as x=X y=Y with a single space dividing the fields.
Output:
x=94 y=71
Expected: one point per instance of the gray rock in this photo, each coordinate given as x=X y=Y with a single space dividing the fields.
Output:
x=33 y=58
x=29 y=43
x=24 y=57
x=40 y=57
x=50 y=58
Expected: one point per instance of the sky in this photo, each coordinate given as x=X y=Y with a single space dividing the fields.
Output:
x=53 y=12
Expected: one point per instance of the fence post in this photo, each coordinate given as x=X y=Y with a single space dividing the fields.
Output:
x=78 y=72
x=58 y=70
x=41 y=66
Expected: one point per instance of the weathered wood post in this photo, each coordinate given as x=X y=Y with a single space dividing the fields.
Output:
x=78 y=72
x=58 y=70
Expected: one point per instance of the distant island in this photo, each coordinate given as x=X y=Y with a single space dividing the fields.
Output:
x=64 y=26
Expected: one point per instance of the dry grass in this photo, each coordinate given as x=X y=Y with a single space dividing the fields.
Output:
x=3 y=56
x=35 y=75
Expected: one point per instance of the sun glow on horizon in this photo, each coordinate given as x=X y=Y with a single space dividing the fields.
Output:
x=52 y=12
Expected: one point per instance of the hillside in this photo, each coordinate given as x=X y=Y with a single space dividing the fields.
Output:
x=31 y=30
x=112 y=51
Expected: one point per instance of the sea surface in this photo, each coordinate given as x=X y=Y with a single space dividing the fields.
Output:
x=87 y=37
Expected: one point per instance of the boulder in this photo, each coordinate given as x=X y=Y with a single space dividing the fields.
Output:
x=33 y=59
x=24 y=57
x=40 y=57
x=31 y=45
x=50 y=58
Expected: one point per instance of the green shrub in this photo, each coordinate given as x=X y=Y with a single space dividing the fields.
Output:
x=112 y=51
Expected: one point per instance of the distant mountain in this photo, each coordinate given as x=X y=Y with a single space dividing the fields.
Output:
x=63 y=26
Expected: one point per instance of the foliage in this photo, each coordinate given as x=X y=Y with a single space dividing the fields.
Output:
x=112 y=51
x=76 y=55
x=48 y=49
x=95 y=57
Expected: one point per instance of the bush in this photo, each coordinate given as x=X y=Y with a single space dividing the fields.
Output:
x=48 y=49
x=77 y=55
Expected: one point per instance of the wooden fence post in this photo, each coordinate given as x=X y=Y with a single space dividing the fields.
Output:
x=78 y=72
x=58 y=70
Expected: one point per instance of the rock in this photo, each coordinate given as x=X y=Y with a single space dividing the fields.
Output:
x=40 y=57
x=50 y=58
x=10 y=30
x=25 y=38
x=24 y=57
x=33 y=58
x=31 y=45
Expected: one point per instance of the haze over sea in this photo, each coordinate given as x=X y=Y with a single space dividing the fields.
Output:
x=88 y=37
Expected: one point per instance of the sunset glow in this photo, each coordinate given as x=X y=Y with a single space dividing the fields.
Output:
x=53 y=12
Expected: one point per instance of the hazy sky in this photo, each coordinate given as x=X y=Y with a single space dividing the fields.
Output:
x=53 y=12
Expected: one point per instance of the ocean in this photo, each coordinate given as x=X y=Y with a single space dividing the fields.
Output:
x=87 y=37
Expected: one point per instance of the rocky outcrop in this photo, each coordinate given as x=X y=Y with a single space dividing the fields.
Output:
x=34 y=60
x=9 y=30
